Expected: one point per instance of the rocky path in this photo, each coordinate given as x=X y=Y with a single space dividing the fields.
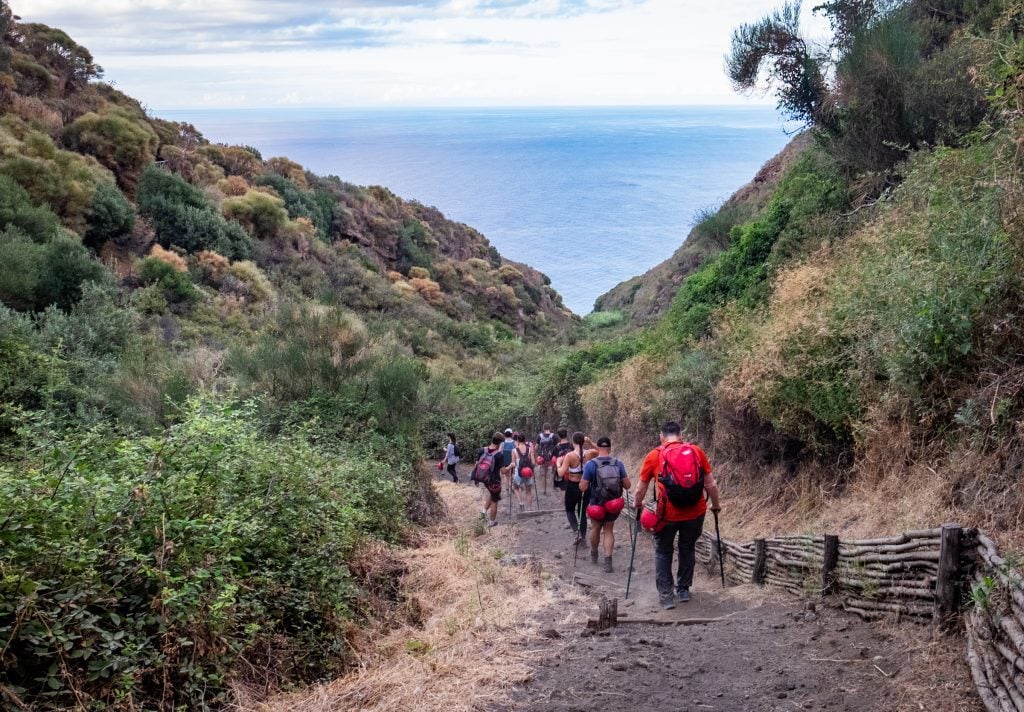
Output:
x=767 y=651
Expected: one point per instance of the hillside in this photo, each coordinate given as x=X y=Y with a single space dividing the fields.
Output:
x=643 y=299
x=848 y=356
x=218 y=376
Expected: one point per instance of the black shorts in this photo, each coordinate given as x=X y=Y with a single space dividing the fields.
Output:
x=495 y=496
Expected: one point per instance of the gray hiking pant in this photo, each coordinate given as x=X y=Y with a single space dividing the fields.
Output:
x=687 y=534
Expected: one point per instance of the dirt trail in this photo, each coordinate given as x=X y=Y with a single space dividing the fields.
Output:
x=768 y=652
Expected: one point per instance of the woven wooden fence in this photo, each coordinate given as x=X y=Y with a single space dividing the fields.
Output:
x=946 y=575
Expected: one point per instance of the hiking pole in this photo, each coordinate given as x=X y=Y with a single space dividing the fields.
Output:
x=577 y=538
x=718 y=535
x=636 y=535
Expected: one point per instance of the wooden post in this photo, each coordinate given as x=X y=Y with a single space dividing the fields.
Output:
x=829 y=563
x=760 y=561
x=947 y=582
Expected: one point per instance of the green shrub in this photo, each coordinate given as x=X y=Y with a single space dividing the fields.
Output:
x=315 y=205
x=177 y=286
x=120 y=139
x=156 y=568
x=261 y=214
x=183 y=217
x=112 y=216
x=605 y=319
x=38 y=275
x=412 y=250
x=16 y=210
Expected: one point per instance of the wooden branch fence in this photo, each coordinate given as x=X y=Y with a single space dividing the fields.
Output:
x=946 y=576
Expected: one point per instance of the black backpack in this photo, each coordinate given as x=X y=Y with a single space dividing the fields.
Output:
x=546 y=445
x=606 y=483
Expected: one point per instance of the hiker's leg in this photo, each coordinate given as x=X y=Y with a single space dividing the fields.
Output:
x=664 y=543
x=451 y=471
x=530 y=492
x=595 y=535
x=572 y=503
x=689 y=533
x=608 y=530
x=584 y=501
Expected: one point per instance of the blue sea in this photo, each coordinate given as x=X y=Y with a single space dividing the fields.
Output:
x=590 y=196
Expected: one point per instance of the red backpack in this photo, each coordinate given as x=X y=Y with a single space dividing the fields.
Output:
x=681 y=475
x=485 y=471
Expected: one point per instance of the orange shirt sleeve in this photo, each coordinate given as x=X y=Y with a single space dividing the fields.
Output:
x=649 y=468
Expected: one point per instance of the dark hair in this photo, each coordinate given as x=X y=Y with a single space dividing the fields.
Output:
x=547 y=426
x=497 y=439
x=563 y=433
x=521 y=437
x=577 y=439
x=671 y=428
x=451 y=436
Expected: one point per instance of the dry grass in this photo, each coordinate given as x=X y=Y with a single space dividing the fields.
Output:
x=468 y=650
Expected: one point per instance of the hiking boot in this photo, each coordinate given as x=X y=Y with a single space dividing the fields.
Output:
x=608 y=564
x=668 y=602
x=684 y=595
x=593 y=556
x=492 y=523
x=521 y=506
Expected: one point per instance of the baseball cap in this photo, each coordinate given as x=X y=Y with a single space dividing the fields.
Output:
x=604 y=441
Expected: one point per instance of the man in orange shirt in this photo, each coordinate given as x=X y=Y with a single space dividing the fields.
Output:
x=684 y=523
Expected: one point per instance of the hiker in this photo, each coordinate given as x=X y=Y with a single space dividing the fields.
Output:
x=452 y=456
x=570 y=469
x=523 y=469
x=682 y=476
x=546 y=442
x=508 y=444
x=488 y=471
x=604 y=483
x=562 y=447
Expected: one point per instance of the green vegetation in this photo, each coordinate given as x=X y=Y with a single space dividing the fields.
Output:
x=855 y=323
x=219 y=375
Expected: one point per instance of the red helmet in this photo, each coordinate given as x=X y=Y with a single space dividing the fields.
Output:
x=526 y=472
x=651 y=522
x=596 y=512
x=614 y=506
x=440 y=465
x=540 y=459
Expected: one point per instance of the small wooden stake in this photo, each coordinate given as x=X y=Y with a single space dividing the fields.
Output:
x=828 y=568
x=760 y=561
x=947 y=582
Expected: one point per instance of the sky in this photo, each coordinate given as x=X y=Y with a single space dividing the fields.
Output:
x=174 y=54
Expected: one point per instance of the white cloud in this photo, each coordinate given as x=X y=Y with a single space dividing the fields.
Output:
x=190 y=53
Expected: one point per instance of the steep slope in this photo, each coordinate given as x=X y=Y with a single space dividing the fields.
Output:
x=848 y=357
x=644 y=298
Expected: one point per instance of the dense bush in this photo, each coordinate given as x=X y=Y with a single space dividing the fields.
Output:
x=174 y=283
x=260 y=214
x=17 y=211
x=146 y=569
x=314 y=205
x=119 y=139
x=183 y=217
x=112 y=216
x=35 y=275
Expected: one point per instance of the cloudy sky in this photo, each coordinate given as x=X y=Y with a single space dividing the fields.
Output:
x=263 y=53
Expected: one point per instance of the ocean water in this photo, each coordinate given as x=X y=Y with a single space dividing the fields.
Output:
x=590 y=196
